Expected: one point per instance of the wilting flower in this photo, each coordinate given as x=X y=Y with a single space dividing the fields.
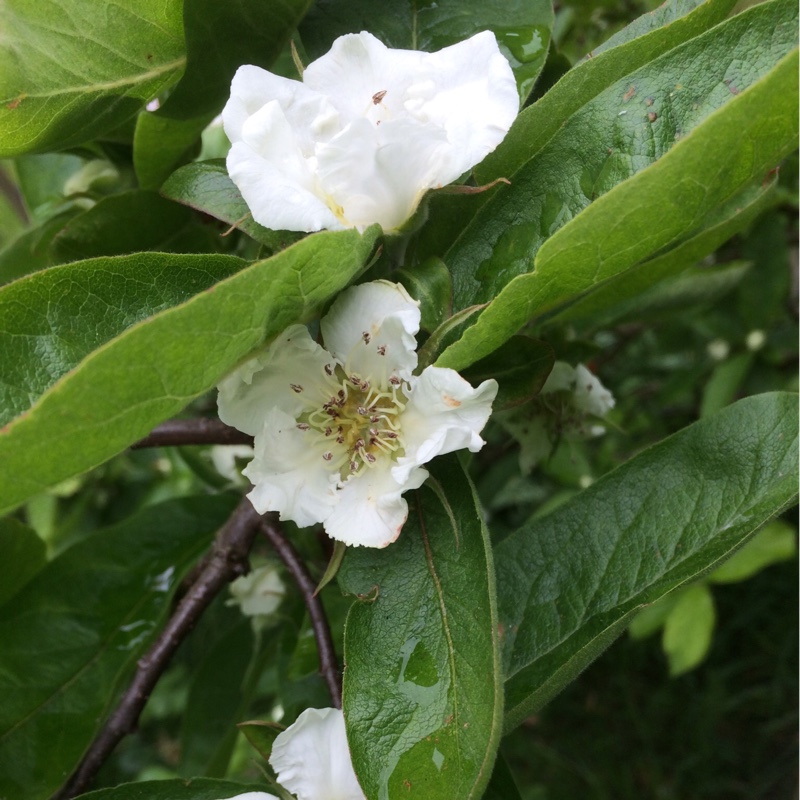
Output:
x=367 y=132
x=259 y=593
x=569 y=405
x=312 y=760
x=340 y=433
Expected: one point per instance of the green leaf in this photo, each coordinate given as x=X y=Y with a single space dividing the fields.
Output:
x=195 y=789
x=522 y=28
x=261 y=735
x=520 y=367
x=568 y=583
x=55 y=319
x=132 y=222
x=69 y=72
x=72 y=636
x=431 y=284
x=639 y=43
x=652 y=617
x=724 y=384
x=103 y=384
x=30 y=251
x=206 y=187
x=776 y=541
x=220 y=37
x=749 y=133
x=689 y=628
x=622 y=294
x=22 y=555
x=421 y=650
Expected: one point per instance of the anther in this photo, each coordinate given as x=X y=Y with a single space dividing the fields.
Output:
x=394 y=380
x=328 y=369
x=327 y=456
x=296 y=387
x=366 y=337
x=381 y=349
x=370 y=458
x=302 y=426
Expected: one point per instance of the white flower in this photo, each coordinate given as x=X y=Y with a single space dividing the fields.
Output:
x=367 y=132
x=260 y=592
x=252 y=796
x=569 y=397
x=312 y=760
x=225 y=458
x=341 y=433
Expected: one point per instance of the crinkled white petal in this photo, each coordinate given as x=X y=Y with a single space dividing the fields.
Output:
x=310 y=114
x=591 y=397
x=289 y=375
x=389 y=317
x=444 y=413
x=356 y=69
x=278 y=187
x=258 y=593
x=380 y=173
x=560 y=379
x=470 y=92
x=312 y=760
x=252 y=796
x=371 y=511
x=288 y=473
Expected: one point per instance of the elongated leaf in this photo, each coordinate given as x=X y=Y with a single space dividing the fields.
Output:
x=131 y=222
x=568 y=583
x=502 y=786
x=740 y=142
x=421 y=651
x=22 y=555
x=630 y=49
x=55 y=319
x=196 y=789
x=620 y=294
x=69 y=73
x=74 y=633
x=220 y=37
x=103 y=386
x=522 y=28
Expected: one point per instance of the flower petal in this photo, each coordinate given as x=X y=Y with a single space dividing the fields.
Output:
x=371 y=511
x=289 y=375
x=310 y=115
x=380 y=174
x=289 y=474
x=370 y=329
x=354 y=72
x=312 y=760
x=470 y=91
x=275 y=180
x=591 y=397
x=252 y=796
x=444 y=413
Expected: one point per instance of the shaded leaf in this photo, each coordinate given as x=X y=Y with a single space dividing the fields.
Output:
x=72 y=636
x=22 y=555
x=569 y=583
x=688 y=629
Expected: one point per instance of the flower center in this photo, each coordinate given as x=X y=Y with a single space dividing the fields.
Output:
x=360 y=423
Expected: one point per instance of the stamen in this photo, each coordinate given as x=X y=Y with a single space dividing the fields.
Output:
x=302 y=426
x=328 y=456
x=296 y=387
x=366 y=337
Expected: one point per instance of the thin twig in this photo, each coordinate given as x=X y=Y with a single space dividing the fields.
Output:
x=328 y=664
x=202 y=430
x=228 y=561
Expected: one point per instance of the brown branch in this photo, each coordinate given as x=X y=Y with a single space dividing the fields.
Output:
x=328 y=664
x=202 y=430
x=228 y=560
